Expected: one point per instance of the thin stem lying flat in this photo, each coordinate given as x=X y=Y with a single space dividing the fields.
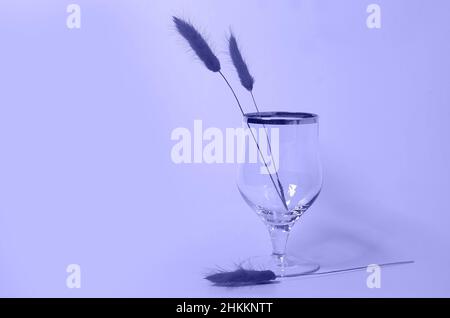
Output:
x=345 y=270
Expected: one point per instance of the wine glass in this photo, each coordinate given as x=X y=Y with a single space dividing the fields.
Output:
x=283 y=182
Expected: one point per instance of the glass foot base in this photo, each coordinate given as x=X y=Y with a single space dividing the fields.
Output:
x=284 y=266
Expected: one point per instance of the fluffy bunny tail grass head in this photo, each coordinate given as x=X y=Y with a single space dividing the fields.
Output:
x=246 y=78
x=198 y=44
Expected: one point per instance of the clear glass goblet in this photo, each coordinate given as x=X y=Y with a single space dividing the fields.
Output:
x=283 y=182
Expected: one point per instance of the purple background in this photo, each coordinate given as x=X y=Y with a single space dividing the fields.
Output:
x=85 y=123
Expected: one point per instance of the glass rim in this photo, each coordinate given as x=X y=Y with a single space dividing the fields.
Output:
x=281 y=118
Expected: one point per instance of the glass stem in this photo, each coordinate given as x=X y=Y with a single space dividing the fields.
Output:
x=279 y=235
